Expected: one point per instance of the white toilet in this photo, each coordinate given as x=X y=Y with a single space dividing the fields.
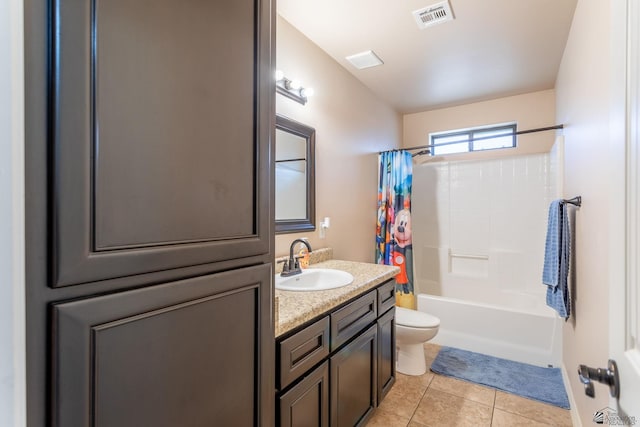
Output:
x=413 y=329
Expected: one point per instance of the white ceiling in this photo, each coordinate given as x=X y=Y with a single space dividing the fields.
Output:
x=493 y=48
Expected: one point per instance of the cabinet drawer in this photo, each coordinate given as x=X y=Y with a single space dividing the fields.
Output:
x=302 y=351
x=386 y=296
x=351 y=319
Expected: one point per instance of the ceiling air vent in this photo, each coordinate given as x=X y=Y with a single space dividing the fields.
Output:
x=364 y=60
x=432 y=15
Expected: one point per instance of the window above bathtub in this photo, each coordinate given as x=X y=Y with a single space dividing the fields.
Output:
x=490 y=137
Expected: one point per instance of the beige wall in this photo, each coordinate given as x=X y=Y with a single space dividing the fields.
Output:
x=583 y=100
x=531 y=110
x=351 y=125
x=12 y=220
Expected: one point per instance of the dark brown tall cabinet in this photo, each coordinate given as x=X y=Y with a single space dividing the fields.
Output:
x=149 y=212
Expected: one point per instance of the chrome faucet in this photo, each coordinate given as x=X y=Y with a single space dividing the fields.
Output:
x=291 y=266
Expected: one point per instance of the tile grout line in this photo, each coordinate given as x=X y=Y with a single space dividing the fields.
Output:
x=420 y=400
x=493 y=407
x=464 y=398
x=524 y=416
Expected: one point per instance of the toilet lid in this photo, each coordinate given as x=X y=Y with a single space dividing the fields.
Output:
x=415 y=319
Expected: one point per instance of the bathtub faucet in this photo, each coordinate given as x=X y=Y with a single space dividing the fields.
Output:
x=292 y=265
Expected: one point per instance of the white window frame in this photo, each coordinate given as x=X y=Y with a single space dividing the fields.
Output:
x=509 y=128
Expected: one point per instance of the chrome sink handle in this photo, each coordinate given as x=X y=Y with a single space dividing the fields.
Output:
x=285 y=265
x=294 y=265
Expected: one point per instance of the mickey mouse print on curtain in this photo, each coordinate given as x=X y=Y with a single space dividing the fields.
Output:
x=393 y=227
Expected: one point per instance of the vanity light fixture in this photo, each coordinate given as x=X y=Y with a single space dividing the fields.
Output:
x=292 y=89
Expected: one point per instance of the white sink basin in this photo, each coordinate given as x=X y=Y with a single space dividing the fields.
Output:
x=314 y=279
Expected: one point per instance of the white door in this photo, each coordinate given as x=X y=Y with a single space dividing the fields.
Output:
x=624 y=307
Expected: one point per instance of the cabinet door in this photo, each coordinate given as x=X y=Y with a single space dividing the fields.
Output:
x=353 y=381
x=386 y=353
x=197 y=352
x=307 y=403
x=161 y=114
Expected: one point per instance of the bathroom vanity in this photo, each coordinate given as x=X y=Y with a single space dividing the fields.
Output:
x=335 y=349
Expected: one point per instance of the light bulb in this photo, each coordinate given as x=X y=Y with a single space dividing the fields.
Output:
x=307 y=92
x=295 y=84
x=279 y=75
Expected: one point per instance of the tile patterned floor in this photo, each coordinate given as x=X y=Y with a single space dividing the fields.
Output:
x=433 y=400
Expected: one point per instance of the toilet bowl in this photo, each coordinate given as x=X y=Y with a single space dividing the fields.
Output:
x=413 y=329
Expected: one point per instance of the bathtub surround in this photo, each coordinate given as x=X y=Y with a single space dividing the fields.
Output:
x=479 y=228
x=534 y=382
x=479 y=239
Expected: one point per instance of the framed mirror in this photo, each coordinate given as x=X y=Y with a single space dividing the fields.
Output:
x=295 y=176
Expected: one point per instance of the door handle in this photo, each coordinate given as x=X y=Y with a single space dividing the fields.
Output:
x=608 y=376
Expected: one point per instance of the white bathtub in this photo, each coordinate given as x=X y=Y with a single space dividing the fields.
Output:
x=527 y=331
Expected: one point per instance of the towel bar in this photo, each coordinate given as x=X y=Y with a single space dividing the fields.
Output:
x=576 y=201
x=465 y=256
x=452 y=255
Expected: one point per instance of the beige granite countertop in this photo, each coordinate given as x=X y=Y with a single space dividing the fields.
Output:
x=295 y=308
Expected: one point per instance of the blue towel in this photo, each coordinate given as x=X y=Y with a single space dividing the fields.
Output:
x=557 y=251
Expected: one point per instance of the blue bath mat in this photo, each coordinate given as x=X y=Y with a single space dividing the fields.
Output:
x=533 y=382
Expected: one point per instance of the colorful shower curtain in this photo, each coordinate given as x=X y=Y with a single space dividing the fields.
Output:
x=393 y=228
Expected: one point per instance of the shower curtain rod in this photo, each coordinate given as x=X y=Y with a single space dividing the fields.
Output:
x=427 y=151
